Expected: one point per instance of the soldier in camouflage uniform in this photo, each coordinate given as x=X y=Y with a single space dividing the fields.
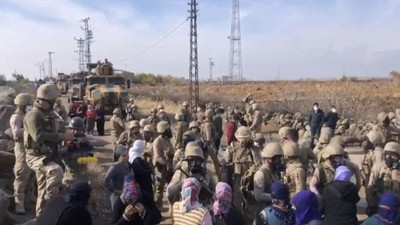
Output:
x=334 y=156
x=295 y=174
x=194 y=130
x=78 y=148
x=323 y=141
x=117 y=125
x=162 y=159
x=39 y=142
x=148 y=136
x=60 y=109
x=153 y=118
x=180 y=129
x=239 y=155
x=209 y=134
x=162 y=115
x=389 y=132
x=22 y=172
x=128 y=137
x=384 y=177
x=186 y=112
x=257 y=119
x=373 y=157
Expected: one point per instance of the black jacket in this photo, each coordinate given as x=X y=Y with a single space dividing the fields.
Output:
x=142 y=175
x=233 y=217
x=331 y=119
x=75 y=214
x=151 y=217
x=339 y=203
x=316 y=119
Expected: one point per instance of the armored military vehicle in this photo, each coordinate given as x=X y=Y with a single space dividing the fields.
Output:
x=107 y=88
x=62 y=83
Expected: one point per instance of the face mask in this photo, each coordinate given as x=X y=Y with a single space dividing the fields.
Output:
x=392 y=162
x=168 y=133
x=315 y=108
x=147 y=136
x=279 y=164
x=338 y=161
x=333 y=110
x=28 y=108
x=197 y=166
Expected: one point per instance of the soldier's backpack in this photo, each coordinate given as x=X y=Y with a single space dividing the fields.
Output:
x=247 y=185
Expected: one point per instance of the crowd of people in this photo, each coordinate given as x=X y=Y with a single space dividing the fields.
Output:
x=248 y=181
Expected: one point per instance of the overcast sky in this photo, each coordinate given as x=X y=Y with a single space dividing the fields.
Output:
x=305 y=39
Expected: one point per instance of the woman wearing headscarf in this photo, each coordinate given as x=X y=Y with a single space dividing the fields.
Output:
x=140 y=167
x=100 y=119
x=305 y=205
x=388 y=213
x=223 y=211
x=189 y=211
x=90 y=117
x=280 y=212
x=76 y=211
x=339 y=199
x=134 y=207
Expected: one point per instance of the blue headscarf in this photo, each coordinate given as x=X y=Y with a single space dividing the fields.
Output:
x=281 y=203
x=79 y=193
x=306 y=205
x=343 y=173
x=389 y=209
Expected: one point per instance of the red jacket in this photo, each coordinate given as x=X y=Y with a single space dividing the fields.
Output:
x=230 y=129
x=91 y=113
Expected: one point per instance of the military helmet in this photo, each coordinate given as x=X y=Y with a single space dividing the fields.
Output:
x=149 y=128
x=162 y=127
x=48 y=92
x=382 y=116
x=179 y=116
x=194 y=124
x=209 y=113
x=272 y=149
x=392 y=147
x=134 y=124
x=243 y=133
x=325 y=135
x=392 y=115
x=332 y=149
x=117 y=111
x=256 y=106
x=193 y=149
x=185 y=104
x=77 y=123
x=374 y=137
x=337 y=140
x=144 y=122
x=283 y=132
x=160 y=107
x=153 y=110
x=23 y=99
x=290 y=149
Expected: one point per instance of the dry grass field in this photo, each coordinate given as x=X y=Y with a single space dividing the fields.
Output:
x=355 y=99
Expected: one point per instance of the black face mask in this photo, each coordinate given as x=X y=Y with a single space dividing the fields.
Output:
x=393 y=164
x=337 y=161
x=278 y=164
x=196 y=166
x=168 y=133
x=147 y=136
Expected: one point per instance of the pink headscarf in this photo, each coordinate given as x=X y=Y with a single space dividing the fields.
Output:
x=190 y=195
x=223 y=198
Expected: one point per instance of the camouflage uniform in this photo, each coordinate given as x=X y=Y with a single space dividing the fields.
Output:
x=162 y=160
x=209 y=134
x=117 y=125
x=295 y=174
x=153 y=118
x=60 y=109
x=372 y=157
x=257 y=121
x=37 y=137
x=180 y=129
x=389 y=132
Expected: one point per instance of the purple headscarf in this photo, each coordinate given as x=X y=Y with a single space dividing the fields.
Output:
x=223 y=198
x=131 y=190
x=389 y=209
x=343 y=173
x=306 y=205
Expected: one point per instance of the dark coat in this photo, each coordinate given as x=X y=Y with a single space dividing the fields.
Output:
x=233 y=217
x=75 y=214
x=331 y=119
x=316 y=119
x=142 y=173
x=151 y=217
x=339 y=203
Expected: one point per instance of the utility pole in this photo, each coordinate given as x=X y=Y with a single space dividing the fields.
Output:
x=81 y=46
x=50 y=65
x=193 y=61
x=211 y=68
x=39 y=65
x=88 y=42
x=235 y=51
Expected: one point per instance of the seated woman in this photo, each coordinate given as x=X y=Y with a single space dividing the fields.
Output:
x=280 y=212
x=189 y=210
x=305 y=205
x=388 y=213
x=223 y=211
x=134 y=207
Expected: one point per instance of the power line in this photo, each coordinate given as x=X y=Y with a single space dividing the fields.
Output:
x=155 y=44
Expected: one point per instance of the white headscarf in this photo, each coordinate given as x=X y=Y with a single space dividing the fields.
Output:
x=136 y=150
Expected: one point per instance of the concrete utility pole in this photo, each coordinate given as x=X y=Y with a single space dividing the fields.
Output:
x=211 y=64
x=50 y=65
x=235 y=51
x=193 y=61
x=88 y=40
x=81 y=46
x=39 y=65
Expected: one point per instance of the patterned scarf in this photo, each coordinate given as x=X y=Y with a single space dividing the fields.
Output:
x=223 y=199
x=190 y=195
x=131 y=190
